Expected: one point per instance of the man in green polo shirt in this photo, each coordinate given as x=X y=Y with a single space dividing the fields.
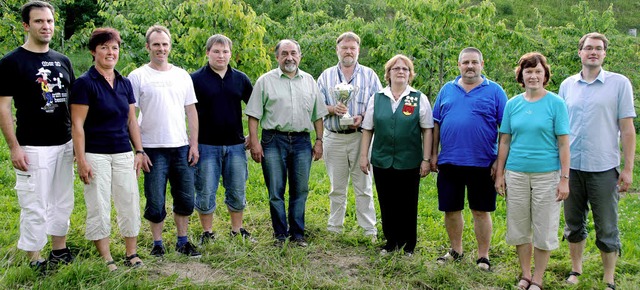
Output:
x=288 y=105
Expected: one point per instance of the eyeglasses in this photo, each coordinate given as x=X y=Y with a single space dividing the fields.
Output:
x=398 y=69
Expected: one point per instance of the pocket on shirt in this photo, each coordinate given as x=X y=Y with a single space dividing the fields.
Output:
x=485 y=108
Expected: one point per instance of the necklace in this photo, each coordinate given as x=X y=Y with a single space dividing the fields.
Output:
x=108 y=79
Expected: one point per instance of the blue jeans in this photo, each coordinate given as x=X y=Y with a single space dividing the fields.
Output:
x=169 y=164
x=287 y=155
x=230 y=162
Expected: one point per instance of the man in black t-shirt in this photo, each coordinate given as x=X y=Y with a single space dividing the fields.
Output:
x=220 y=91
x=38 y=80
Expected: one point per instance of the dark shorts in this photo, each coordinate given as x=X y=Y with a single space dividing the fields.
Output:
x=172 y=165
x=452 y=181
x=598 y=191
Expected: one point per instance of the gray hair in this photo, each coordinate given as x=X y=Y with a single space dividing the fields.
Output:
x=286 y=40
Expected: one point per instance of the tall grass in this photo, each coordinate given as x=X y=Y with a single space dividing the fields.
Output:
x=331 y=261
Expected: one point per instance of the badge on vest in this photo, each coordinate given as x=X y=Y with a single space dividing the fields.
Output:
x=410 y=104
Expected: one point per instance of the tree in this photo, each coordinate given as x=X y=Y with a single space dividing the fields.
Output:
x=191 y=22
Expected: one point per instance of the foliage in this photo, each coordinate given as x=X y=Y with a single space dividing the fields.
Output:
x=191 y=23
x=11 y=31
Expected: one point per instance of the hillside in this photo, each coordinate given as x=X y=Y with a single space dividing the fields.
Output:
x=557 y=13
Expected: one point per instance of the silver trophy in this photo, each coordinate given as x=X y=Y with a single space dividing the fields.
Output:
x=342 y=93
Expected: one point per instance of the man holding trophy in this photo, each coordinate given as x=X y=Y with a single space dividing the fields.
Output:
x=347 y=88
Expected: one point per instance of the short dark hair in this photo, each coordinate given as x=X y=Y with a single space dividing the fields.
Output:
x=103 y=35
x=470 y=50
x=594 y=35
x=532 y=59
x=25 y=10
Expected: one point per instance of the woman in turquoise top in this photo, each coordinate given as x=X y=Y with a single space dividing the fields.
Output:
x=533 y=167
x=401 y=118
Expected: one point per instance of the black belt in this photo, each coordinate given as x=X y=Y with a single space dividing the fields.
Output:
x=287 y=133
x=348 y=131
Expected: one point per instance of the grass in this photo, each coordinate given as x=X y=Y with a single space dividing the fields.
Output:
x=348 y=261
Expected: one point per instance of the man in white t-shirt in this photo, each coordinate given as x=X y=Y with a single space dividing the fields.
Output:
x=164 y=93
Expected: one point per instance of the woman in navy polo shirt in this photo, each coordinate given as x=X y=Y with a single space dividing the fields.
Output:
x=103 y=122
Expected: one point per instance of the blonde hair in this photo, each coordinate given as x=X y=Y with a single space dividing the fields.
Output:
x=392 y=61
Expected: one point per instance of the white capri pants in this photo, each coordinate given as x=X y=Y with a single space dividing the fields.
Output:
x=113 y=175
x=532 y=210
x=45 y=194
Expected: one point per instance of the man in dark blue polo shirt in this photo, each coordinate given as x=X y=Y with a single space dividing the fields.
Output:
x=220 y=91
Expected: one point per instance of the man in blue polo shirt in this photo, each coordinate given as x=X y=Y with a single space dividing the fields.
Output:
x=220 y=91
x=601 y=112
x=467 y=114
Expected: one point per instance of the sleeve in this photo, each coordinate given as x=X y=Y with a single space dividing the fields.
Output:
x=72 y=76
x=319 y=109
x=436 y=106
x=562 y=91
x=501 y=102
x=190 y=97
x=376 y=85
x=561 y=118
x=322 y=86
x=134 y=78
x=129 y=90
x=81 y=92
x=426 y=116
x=255 y=105
x=367 y=123
x=626 y=108
x=8 y=71
x=247 y=89
x=505 y=125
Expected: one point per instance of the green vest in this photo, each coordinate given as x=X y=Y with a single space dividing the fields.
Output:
x=397 y=141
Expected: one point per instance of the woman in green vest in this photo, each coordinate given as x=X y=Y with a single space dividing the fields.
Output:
x=401 y=118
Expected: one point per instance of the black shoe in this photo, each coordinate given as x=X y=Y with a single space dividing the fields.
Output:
x=128 y=263
x=39 y=266
x=450 y=256
x=279 y=243
x=245 y=235
x=158 y=251
x=188 y=250
x=64 y=258
x=207 y=237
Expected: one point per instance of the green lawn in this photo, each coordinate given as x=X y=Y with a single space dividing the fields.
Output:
x=346 y=261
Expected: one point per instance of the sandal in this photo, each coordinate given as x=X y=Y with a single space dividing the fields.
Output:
x=111 y=265
x=450 y=256
x=523 y=286
x=575 y=274
x=128 y=263
x=534 y=284
x=611 y=286
x=484 y=264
